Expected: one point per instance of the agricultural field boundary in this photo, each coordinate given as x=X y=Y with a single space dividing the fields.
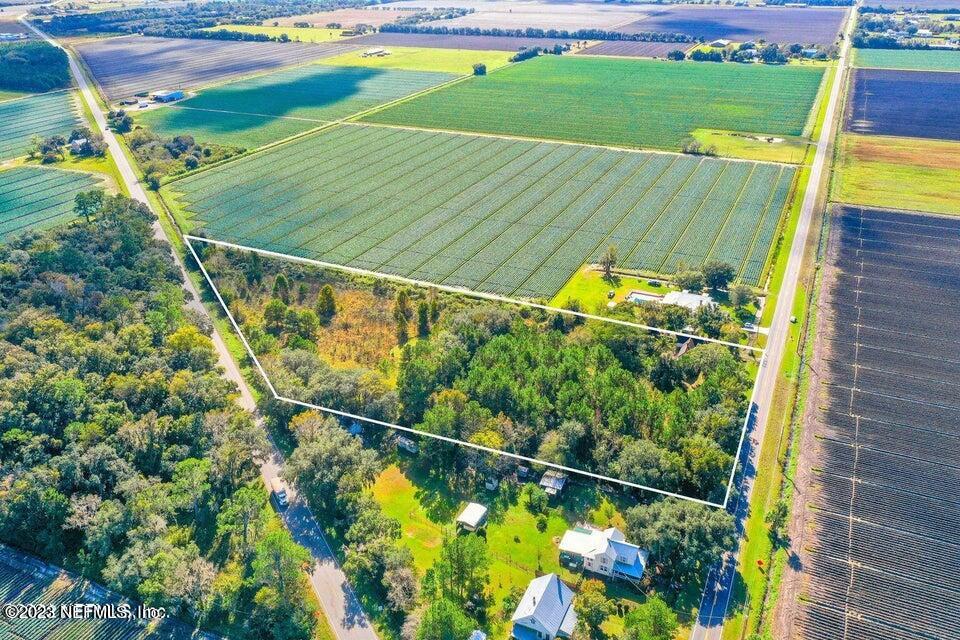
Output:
x=748 y=419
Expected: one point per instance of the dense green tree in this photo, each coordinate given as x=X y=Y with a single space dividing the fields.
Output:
x=423 y=319
x=717 y=274
x=326 y=304
x=87 y=203
x=332 y=468
x=444 y=620
x=652 y=620
x=683 y=537
x=461 y=572
x=592 y=605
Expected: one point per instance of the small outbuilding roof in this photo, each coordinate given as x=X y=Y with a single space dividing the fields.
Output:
x=473 y=515
x=553 y=481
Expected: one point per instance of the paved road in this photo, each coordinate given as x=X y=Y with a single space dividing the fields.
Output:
x=715 y=600
x=330 y=584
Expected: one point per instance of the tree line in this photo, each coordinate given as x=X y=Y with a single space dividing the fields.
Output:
x=532 y=32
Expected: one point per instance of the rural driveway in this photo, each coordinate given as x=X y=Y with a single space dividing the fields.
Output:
x=715 y=600
x=339 y=603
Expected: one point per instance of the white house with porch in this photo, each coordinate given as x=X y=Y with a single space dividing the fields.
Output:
x=604 y=551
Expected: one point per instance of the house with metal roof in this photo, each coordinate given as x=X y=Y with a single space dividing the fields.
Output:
x=546 y=610
x=603 y=551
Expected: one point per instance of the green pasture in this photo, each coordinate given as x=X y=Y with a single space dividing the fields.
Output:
x=632 y=103
x=911 y=59
x=35 y=199
x=506 y=216
x=256 y=111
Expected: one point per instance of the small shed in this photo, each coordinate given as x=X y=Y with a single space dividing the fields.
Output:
x=720 y=43
x=473 y=517
x=553 y=482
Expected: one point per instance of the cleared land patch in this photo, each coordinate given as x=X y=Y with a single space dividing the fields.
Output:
x=132 y=64
x=253 y=112
x=916 y=104
x=807 y=25
x=629 y=49
x=901 y=173
x=912 y=59
x=33 y=199
x=456 y=61
x=634 y=103
x=510 y=217
x=44 y=115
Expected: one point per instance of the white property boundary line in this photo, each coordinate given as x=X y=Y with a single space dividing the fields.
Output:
x=463 y=291
x=188 y=240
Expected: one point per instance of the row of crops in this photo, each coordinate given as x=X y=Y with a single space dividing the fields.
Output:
x=881 y=558
x=43 y=115
x=32 y=198
x=506 y=216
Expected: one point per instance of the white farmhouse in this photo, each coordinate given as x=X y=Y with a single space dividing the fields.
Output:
x=604 y=551
x=546 y=611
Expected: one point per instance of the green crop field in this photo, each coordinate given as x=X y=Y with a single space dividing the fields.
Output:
x=505 y=216
x=912 y=59
x=633 y=103
x=253 y=112
x=32 y=198
x=44 y=114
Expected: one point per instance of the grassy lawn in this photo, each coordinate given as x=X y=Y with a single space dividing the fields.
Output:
x=732 y=144
x=912 y=59
x=634 y=103
x=518 y=551
x=902 y=173
x=458 y=61
x=297 y=34
x=592 y=290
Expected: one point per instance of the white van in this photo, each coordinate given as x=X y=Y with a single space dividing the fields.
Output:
x=278 y=491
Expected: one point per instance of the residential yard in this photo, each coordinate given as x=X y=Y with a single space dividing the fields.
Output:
x=900 y=173
x=592 y=290
x=519 y=552
x=458 y=61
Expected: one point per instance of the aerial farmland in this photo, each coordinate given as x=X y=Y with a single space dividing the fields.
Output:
x=558 y=318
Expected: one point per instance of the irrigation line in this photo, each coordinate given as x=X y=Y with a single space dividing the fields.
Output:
x=188 y=241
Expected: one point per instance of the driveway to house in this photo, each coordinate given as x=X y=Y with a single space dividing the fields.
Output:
x=715 y=600
x=339 y=603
